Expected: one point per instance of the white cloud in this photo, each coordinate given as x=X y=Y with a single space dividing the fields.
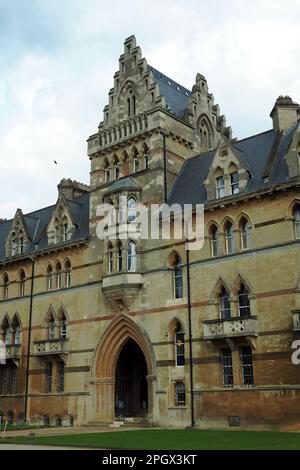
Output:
x=53 y=86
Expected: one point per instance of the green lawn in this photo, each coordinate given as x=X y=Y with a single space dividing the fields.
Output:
x=163 y=439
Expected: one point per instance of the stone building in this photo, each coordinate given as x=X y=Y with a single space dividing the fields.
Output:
x=96 y=329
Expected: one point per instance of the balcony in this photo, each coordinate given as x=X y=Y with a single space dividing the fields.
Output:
x=13 y=353
x=122 y=288
x=229 y=329
x=50 y=347
x=296 y=320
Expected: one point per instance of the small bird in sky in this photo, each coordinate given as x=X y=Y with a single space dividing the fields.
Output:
x=55 y=162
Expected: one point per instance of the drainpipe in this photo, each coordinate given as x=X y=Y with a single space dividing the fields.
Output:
x=165 y=168
x=190 y=334
x=29 y=341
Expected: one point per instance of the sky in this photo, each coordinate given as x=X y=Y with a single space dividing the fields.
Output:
x=58 y=58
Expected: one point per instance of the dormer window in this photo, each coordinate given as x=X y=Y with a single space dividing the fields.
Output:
x=234 y=183
x=220 y=186
x=17 y=243
x=65 y=229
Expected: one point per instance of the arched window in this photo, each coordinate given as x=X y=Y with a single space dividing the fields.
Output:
x=120 y=256
x=65 y=229
x=6 y=332
x=245 y=234
x=180 y=396
x=136 y=161
x=128 y=107
x=58 y=275
x=56 y=231
x=51 y=326
x=131 y=256
x=224 y=304
x=62 y=325
x=117 y=167
x=134 y=104
x=204 y=136
x=229 y=238
x=107 y=172
x=220 y=186
x=68 y=273
x=5 y=286
x=179 y=345
x=110 y=259
x=22 y=280
x=234 y=182
x=296 y=215
x=14 y=245
x=49 y=278
x=177 y=277
x=214 y=241
x=131 y=208
x=16 y=331
x=146 y=158
x=244 y=302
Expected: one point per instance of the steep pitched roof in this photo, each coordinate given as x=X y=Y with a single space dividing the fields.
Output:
x=255 y=151
x=175 y=94
x=37 y=223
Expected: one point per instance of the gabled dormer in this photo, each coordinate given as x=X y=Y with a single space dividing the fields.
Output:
x=228 y=174
x=18 y=237
x=62 y=225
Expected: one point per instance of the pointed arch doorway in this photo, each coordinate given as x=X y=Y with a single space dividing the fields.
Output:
x=123 y=372
x=131 y=388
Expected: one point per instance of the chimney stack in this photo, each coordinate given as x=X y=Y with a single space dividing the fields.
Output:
x=285 y=113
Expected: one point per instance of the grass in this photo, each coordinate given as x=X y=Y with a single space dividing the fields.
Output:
x=167 y=439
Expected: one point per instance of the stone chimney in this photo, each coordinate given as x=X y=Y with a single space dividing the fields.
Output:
x=285 y=113
x=72 y=189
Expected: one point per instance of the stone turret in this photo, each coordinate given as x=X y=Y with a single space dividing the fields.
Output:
x=72 y=189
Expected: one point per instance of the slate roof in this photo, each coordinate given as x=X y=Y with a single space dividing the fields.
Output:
x=37 y=222
x=255 y=151
x=175 y=94
x=124 y=183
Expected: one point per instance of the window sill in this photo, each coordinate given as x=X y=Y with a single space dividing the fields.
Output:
x=179 y=407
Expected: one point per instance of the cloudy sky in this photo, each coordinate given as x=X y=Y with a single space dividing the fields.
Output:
x=58 y=57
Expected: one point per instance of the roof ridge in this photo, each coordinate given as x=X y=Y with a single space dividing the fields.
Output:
x=252 y=136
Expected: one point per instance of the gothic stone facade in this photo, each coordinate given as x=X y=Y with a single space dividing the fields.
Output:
x=94 y=330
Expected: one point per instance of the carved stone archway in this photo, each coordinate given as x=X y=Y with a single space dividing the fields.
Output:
x=105 y=361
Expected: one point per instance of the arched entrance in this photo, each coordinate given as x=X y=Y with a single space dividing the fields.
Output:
x=131 y=388
x=123 y=369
